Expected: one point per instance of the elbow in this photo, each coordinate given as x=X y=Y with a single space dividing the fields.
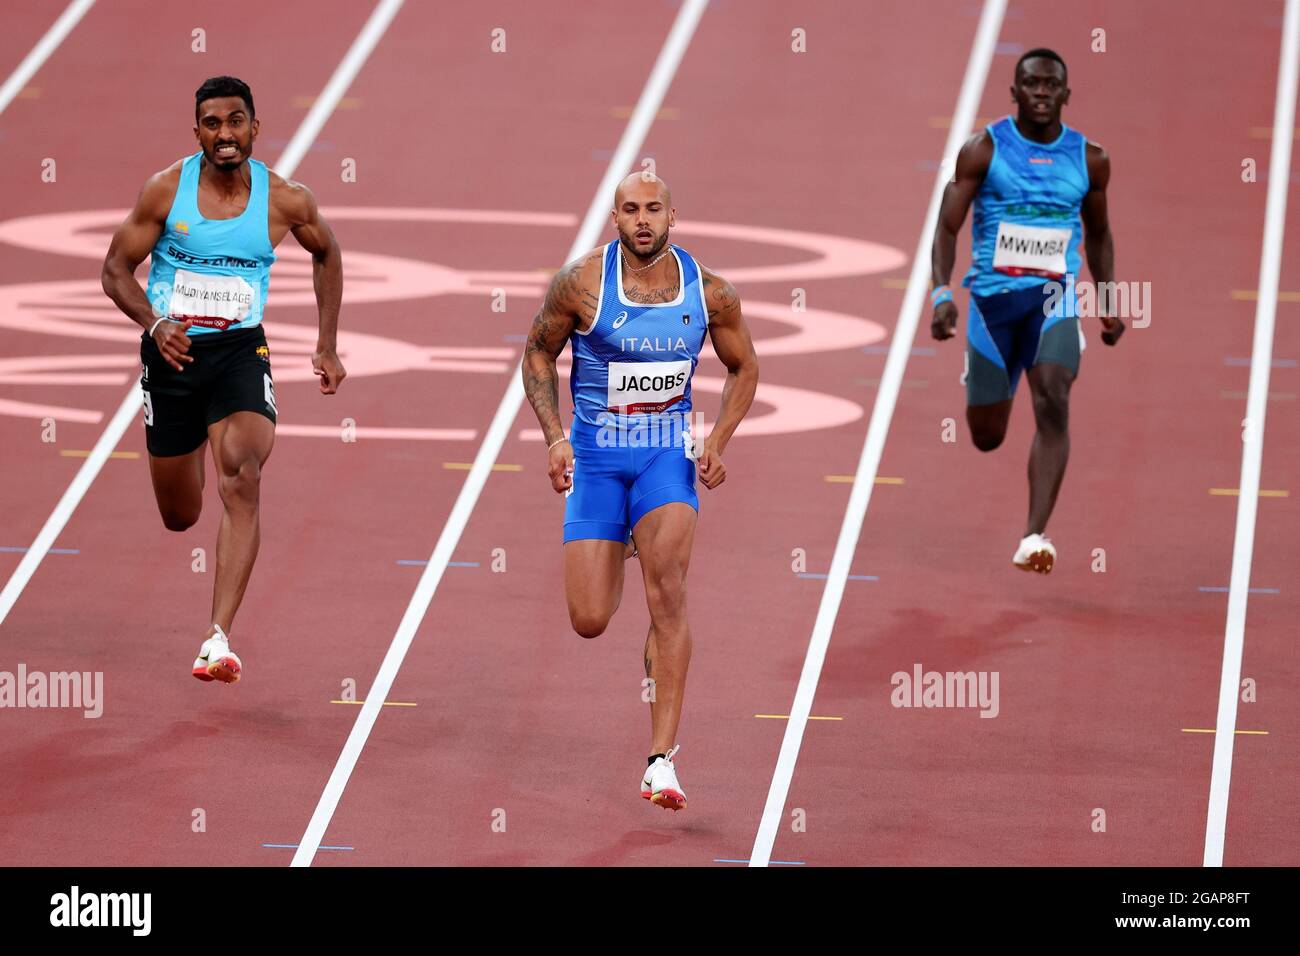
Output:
x=108 y=279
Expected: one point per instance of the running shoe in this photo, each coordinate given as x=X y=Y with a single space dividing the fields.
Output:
x=659 y=784
x=1036 y=553
x=216 y=661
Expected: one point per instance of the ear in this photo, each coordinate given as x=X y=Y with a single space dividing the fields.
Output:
x=613 y=218
x=256 y=125
x=197 y=138
x=1014 y=99
x=672 y=216
x=1066 y=98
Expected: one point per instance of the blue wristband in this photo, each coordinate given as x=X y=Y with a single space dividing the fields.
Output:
x=940 y=295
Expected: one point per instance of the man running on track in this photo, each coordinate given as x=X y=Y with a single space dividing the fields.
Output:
x=636 y=311
x=1031 y=178
x=210 y=222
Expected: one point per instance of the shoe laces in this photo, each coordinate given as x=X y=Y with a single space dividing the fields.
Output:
x=671 y=753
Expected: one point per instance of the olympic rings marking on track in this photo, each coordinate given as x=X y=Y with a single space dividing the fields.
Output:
x=78 y=309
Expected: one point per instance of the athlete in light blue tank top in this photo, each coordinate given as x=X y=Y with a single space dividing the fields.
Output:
x=214 y=272
x=636 y=312
x=211 y=222
x=1038 y=188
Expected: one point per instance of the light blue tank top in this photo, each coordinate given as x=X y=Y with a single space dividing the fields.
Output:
x=214 y=271
x=636 y=361
x=1026 y=226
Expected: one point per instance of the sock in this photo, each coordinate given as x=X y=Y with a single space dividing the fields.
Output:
x=653 y=757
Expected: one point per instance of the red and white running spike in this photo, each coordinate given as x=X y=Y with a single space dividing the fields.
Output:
x=660 y=786
x=1036 y=553
x=216 y=661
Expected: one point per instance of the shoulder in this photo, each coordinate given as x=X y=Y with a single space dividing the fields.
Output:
x=720 y=296
x=1098 y=164
x=582 y=273
x=159 y=190
x=977 y=151
x=291 y=199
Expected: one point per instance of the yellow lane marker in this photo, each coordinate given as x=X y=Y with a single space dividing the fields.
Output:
x=665 y=112
x=1272 y=396
x=907 y=383
x=1263 y=492
x=467 y=465
x=1266 y=132
x=345 y=103
x=944 y=122
x=85 y=453
x=1200 y=730
x=1250 y=295
x=387 y=703
x=849 y=479
x=787 y=717
x=29 y=93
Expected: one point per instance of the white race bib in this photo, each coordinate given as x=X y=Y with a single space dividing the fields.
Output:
x=1030 y=250
x=636 y=387
x=212 y=301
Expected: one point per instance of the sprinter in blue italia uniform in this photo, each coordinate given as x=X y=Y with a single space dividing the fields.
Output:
x=1038 y=187
x=636 y=312
x=210 y=223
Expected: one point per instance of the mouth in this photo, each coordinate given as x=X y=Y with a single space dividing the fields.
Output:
x=645 y=235
x=227 y=151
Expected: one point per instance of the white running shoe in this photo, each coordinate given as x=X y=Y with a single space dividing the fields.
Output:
x=660 y=786
x=216 y=661
x=1036 y=553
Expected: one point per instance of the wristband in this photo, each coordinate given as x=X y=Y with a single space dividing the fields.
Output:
x=156 y=324
x=940 y=294
x=556 y=442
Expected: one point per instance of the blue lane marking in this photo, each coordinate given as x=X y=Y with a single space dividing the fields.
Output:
x=852 y=577
x=884 y=350
x=1008 y=49
x=1204 y=587
x=770 y=862
x=14 y=550
x=294 y=846
x=513 y=337
x=1277 y=363
x=451 y=564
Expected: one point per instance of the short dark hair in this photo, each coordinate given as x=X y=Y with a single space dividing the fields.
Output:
x=216 y=86
x=1044 y=53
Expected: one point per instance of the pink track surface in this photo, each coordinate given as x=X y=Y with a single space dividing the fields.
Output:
x=1099 y=672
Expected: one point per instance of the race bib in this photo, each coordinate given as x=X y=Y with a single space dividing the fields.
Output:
x=212 y=301
x=1030 y=250
x=636 y=387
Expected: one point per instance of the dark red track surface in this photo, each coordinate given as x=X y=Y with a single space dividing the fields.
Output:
x=1100 y=673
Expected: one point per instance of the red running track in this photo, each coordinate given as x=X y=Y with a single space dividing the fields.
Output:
x=1099 y=671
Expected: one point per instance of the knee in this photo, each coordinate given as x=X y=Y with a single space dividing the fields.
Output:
x=666 y=593
x=242 y=486
x=987 y=441
x=1052 y=411
x=588 y=625
x=179 y=520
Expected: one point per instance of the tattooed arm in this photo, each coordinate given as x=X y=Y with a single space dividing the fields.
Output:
x=735 y=349
x=569 y=301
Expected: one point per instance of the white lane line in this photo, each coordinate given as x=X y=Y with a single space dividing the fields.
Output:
x=1252 y=450
x=41 y=52
x=679 y=37
x=344 y=74
x=126 y=412
x=891 y=381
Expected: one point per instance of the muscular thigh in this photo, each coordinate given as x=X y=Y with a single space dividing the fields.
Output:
x=664 y=539
x=240 y=438
x=593 y=575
